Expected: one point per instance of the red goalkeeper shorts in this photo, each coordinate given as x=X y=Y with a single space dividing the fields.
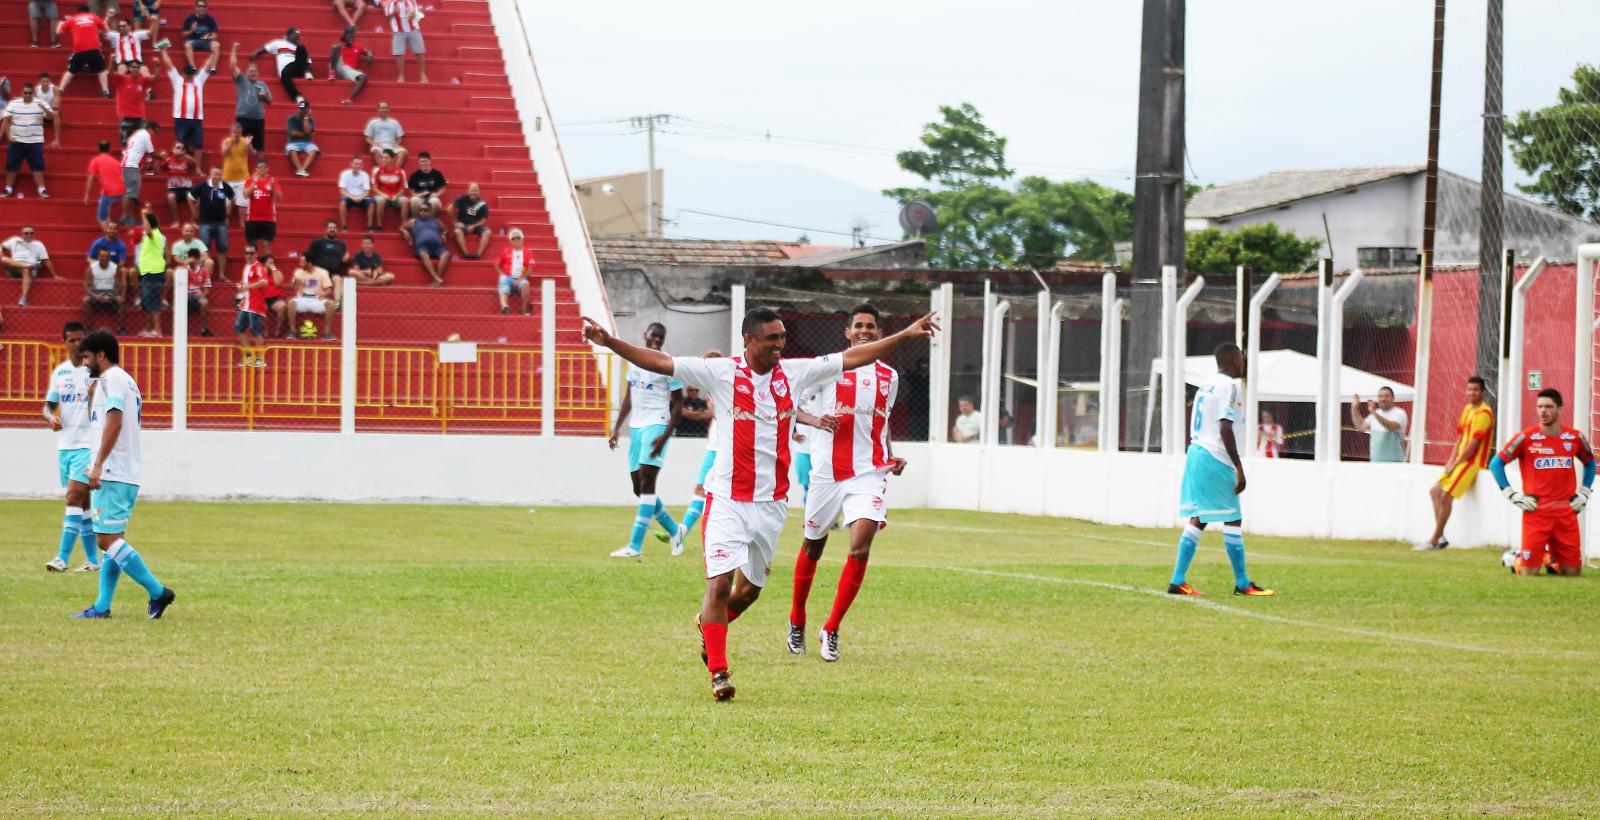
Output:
x=1556 y=531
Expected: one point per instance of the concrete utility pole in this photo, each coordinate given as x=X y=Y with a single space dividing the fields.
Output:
x=1430 y=208
x=1158 y=188
x=1493 y=280
x=652 y=222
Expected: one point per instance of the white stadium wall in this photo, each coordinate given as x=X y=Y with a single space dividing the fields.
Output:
x=1285 y=497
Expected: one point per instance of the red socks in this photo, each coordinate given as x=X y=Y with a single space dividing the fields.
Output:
x=849 y=584
x=805 y=571
x=716 y=636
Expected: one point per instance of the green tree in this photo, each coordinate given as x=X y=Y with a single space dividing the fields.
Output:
x=1559 y=146
x=1258 y=247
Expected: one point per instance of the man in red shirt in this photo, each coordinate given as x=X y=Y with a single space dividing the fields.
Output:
x=261 y=221
x=389 y=189
x=516 y=269
x=106 y=169
x=132 y=83
x=1551 y=498
x=252 y=320
x=347 y=60
x=85 y=29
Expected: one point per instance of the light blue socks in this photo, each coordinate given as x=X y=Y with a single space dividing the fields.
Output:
x=664 y=518
x=127 y=559
x=697 y=508
x=1187 y=544
x=641 y=522
x=1233 y=542
x=71 y=526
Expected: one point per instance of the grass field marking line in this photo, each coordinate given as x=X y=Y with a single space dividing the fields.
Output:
x=1363 y=558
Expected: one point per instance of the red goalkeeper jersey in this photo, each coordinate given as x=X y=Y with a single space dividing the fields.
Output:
x=1548 y=464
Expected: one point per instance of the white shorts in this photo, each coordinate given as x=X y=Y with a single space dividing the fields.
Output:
x=742 y=535
x=857 y=498
x=345 y=72
x=307 y=304
x=239 y=199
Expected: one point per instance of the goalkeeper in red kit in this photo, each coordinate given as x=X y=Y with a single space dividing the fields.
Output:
x=1550 y=499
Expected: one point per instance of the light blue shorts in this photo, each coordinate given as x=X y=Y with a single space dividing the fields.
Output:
x=74 y=465
x=639 y=441
x=1208 y=488
x=802 y=469
x=706 y=462
x=113 y=506
x=508 y=282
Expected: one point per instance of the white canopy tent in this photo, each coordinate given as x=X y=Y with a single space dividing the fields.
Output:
x=1285 y=375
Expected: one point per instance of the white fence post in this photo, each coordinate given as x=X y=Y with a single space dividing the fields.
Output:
x=1049 y=392
x=1041 y=347
x=1419 y=373
x=347 y=356
x=1169 y=309
x=180 y=354
x=1511 y=386
x=1252 y=381
x=547 y=354
x=996 y=325
x=736 y=320
x=1178 y=379
x=1333 y=369
x=1110 y=364
x=1324 y=338
x=943 y=304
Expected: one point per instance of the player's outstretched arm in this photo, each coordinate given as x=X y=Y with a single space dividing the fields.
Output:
x=652 y=360
x=866 y=354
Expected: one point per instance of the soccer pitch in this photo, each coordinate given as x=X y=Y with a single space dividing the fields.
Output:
x=330 y=658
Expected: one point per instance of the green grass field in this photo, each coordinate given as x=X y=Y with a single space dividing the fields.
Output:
x=468 y=660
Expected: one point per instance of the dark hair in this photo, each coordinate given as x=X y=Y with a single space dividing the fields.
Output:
x=266 y=257
x=105 y=147
x=869 y=309
x=1552 y=394
x=389 y=152
x=150 y=125
x=424 y=155
x=77 y=327
x=1388 y=388
x=756 y=317
x=967 y=399
x=1477 y=380
x=656 y=326
x=1225 y=351
x=83 y=7
x=27 y=86
x=101 y=342
x=194 y=253
x=333 y=222
x=44 y=75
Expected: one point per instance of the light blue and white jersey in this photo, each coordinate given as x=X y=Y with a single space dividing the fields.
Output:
x=118 y=391
x=1216 y=399
x=651 y=397
x=69 y=392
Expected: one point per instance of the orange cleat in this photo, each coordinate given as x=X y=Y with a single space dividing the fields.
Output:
x=1253 y=591
x=1184 y=589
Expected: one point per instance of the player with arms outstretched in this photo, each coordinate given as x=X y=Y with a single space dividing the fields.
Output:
x=114 y=479
x=851 y=460
x=1213 y=476
x=652 y=407
x=66 y=410
x=1550 y=499
x=1474 y=440
x=749 y=483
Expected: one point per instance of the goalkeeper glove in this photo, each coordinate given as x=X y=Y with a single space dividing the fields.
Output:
x=1526 y=503
x=1581 y=500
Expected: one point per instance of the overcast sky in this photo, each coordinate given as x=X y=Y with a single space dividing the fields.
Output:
x=841 y=85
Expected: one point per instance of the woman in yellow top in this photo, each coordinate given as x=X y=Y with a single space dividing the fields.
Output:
x=1474 y=429
x=237 y=151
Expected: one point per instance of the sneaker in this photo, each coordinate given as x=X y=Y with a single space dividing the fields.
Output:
x=830 y=645
x=88 y=568
x=91 y=612
x=22 y=302
x=1184 y=589
x=704 y=658
x=627 y=552
x=797 y=640
x=722 y=686
x=159 y=605
x=1253 y=591
x=302 y=173
x=206 y=331
x=43 y=194
x=677 y=542
x=259 y=363
x=56 y=565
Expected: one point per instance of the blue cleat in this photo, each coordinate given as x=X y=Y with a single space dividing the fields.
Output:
x=159 y=605
x=91 y=612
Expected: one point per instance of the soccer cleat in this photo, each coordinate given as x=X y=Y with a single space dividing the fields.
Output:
x=704 y=658
x=1253 y=591
x=677 y=542
x=88 y=568
x=1184 y=589
x=627 y=552
x=159 y=605
x=56 y=565
x=721 y=686
x=91 y=612
x=830 y=645
x=797 y=640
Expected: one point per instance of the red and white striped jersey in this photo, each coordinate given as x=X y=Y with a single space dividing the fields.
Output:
x=755 y=417
x=402 y=14
x=125 y=47
x=188 y=97
x=862 y=400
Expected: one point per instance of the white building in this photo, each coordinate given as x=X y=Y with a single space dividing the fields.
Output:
x=1372 y=217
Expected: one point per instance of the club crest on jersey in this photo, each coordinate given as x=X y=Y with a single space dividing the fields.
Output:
x=742 y=388
x=1566 y=445
x=780 y=389
x=883 y=388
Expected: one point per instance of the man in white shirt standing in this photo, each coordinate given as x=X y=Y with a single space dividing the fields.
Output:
x=23 y=257
x=114 y=418
x=66 y=411
x=23 y=120
x=747 y=491
x=1385 y=423
x=405 y=20
x=968 y=426
x=141 y=143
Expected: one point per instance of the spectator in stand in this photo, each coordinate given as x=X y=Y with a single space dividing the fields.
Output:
x=294 y=61
x=144 y=10
x=127 y=42
x=355 y=191
x=350 y=11
x=329 y=253
x=516 y=268
x=23 y=256
x=251 y=96
x=1269 y=437
x=103 y=287
x=426 y=235
x=1385 y=422
x=151 y=254
x=472 y=217
x=213 y=202
x=347 y=60
x=301 y=144
x=43 y=11
x=23 y=121
x=427 y=185
x=110 y=242
x=141 y=143
x=261 y=223
x=181 y=170
x=251 y=323
x=133 y=85
x=405 y=20
x=366 y=267
x=196 y=272
x=50 y=94
x=189 y=103
x=200 y=34
x=106 y=170
x=313 y=290
x=85 y=29
x=384 y=133
x=968 y=426
x=189 y=240
x=276 y=297
x=389 y=191
x=238 y=151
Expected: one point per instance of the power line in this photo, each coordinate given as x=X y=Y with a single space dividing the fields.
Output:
x=783 y=225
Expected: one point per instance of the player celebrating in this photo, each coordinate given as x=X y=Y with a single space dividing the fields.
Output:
x=1551 y=498
x=749 y=484
x=66 y=410
x=1210 y=486
x=850 y=459
x=114 y=479
x=1474 y=427
x=652 y=407
x=697 y=507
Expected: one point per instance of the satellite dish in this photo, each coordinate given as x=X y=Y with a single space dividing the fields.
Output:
x=918 y=218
